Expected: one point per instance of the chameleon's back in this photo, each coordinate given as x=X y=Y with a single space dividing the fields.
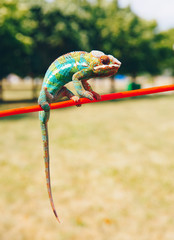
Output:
x=62 y=69
x=68 y=57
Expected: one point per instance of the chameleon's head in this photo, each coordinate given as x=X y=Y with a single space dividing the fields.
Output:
x=104 y=65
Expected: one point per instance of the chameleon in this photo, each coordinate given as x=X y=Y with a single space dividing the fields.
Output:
x=78 y=67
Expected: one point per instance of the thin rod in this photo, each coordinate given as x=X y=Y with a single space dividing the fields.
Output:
x=106 y=97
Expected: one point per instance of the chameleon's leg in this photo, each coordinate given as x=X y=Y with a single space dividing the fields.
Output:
x=77 y=77
x=64 y=92
x=87 y=87
x=44 y=99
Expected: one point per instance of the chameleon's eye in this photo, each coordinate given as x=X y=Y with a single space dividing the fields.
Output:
x=105 y=59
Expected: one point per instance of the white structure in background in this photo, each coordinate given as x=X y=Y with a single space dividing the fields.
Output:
x=13 y=78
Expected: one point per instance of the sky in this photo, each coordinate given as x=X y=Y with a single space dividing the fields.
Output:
x=160 y=10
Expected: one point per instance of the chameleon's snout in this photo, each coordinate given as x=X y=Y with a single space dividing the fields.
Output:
x=106 y=70
x=114 y=60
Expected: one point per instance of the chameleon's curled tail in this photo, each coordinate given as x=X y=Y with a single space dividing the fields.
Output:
x=47 y=165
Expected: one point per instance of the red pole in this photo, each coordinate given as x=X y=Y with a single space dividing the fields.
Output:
x=106 y=97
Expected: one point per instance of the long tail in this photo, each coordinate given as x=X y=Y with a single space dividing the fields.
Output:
x=47 y=165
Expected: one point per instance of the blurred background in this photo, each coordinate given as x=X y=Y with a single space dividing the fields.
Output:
x=112 y=173
x=35 y=33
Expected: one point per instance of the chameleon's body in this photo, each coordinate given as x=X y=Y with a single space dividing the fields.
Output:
x=77 y=67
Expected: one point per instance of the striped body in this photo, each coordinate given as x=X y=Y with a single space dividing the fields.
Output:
x=62 y=69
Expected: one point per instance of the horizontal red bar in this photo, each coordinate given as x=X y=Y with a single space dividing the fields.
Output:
x=106 y=97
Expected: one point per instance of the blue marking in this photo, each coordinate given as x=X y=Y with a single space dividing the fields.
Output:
x=57 y=64
x=65 y=68
x=81 y=62
x=68 y=58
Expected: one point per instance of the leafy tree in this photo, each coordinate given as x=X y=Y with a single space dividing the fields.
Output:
x=166 y=46
x=131 y=39
x=34 y=33
x=15 y=42
x=56 y=32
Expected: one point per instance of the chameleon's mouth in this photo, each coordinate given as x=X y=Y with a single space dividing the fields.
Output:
x=106 y=67
x=106 y=70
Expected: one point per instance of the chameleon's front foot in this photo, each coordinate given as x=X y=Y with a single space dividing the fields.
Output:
x=76 y=100
x=87 y=94
x=91 y=95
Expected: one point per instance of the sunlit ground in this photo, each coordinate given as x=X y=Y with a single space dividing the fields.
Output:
x=112 y=173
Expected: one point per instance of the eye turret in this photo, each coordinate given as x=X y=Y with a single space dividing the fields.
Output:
x=105 y=59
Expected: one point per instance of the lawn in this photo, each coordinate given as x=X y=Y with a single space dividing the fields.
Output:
x=112 y=173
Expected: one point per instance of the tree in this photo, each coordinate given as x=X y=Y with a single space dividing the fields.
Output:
x=34 y=33
x=131 y=39
x=56 y=32
x=166 y=46
x=15 y=42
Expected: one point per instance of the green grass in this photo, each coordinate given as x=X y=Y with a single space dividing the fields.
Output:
x=111 y=168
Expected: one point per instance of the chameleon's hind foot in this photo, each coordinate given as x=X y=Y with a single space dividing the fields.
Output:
x=45 y=106
x=44 y=98
x=44 y=116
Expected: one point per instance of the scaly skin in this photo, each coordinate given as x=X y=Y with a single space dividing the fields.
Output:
x=77 y=67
